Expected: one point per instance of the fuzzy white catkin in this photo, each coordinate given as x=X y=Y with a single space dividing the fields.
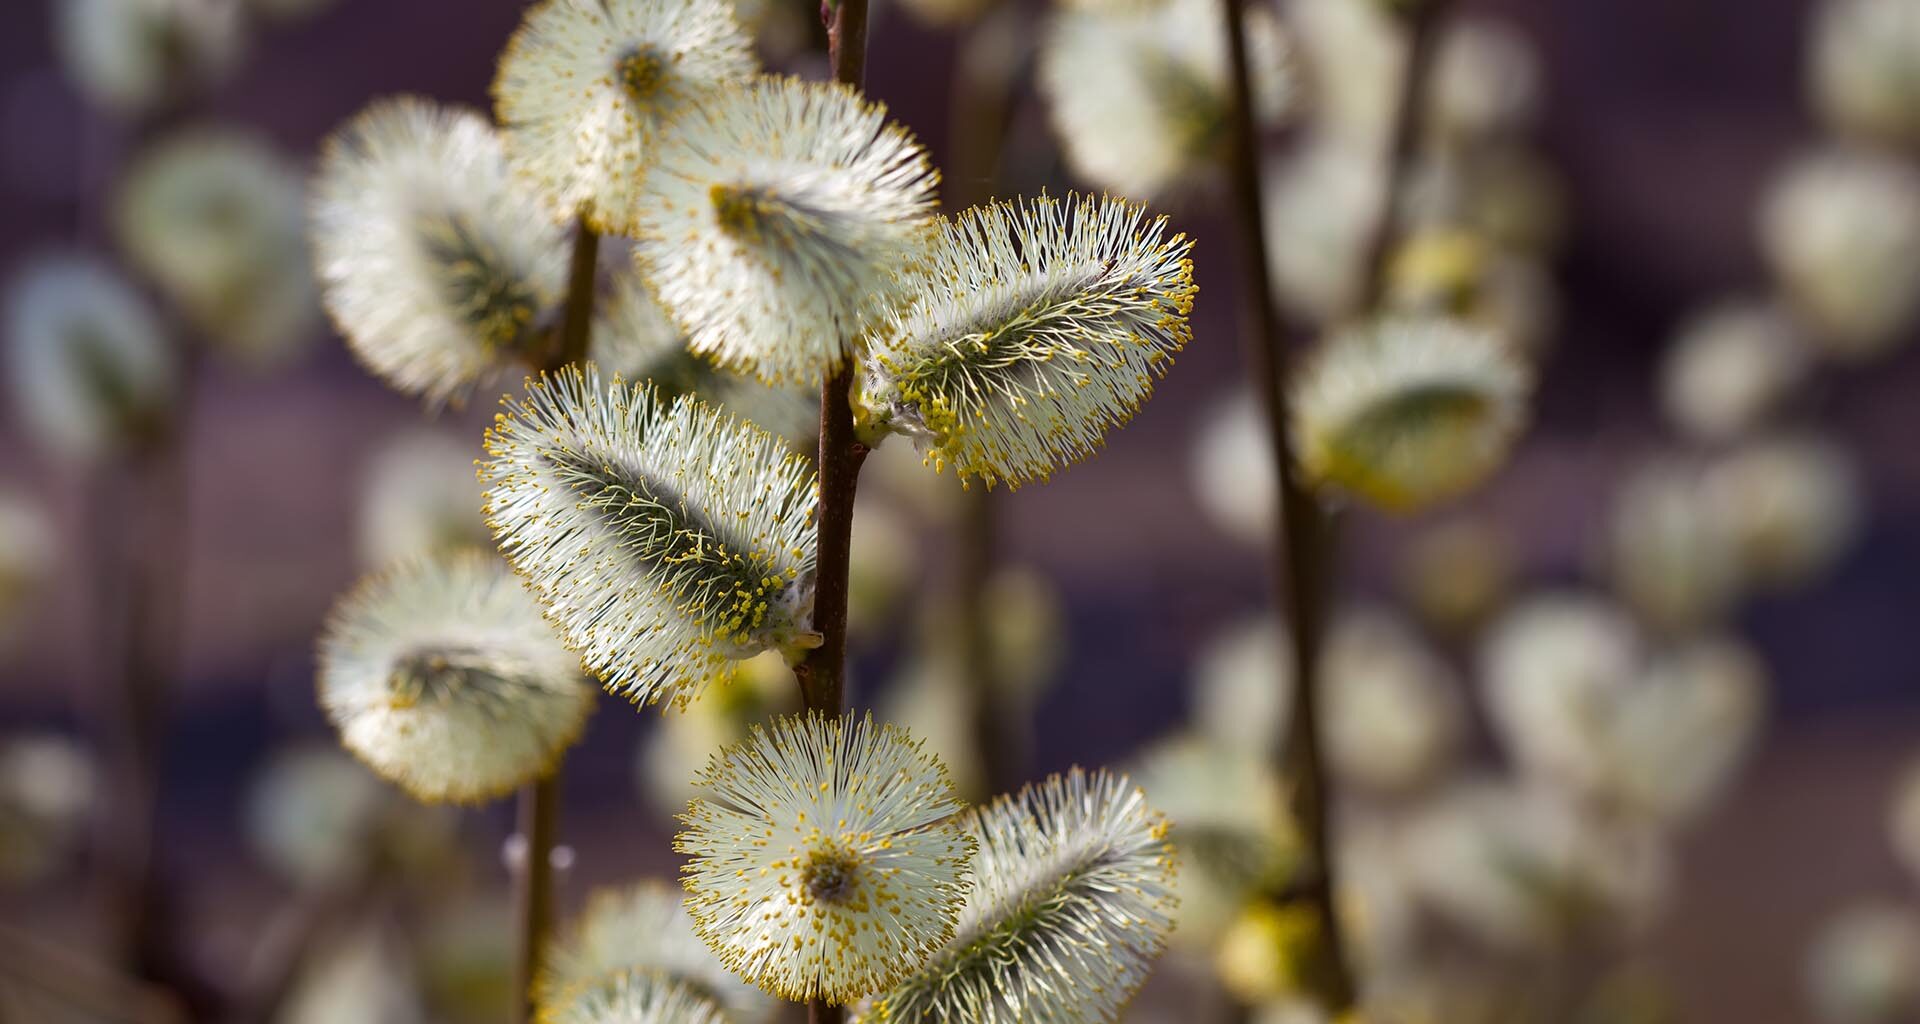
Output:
x=639 y=997
x=29 y=553
x=363 y=975
x=217 y=217
x=679 y=745
x=1034 y=329
x=1731 y=366
x=1392 y=718
x=86 y=357
x=1227 y=805
x=824 y=859
x=637 y=931
x=1791 y=504
x=1866 y=67
x=1864 y=965
x=1071 y=903
x=1486 y=78
x=433 y=261
x=1406 y=412
x=1322 y=198
x=1457 y=572
x=310 y=813
x=1232 y=469
x=442 y=676
x=636 y=339
x=1507 y=862
x=1668 y=550
x=47 y=789
x=1904 y=819
x=135 y=55
x=772 y=228
x=1841 y=230
x=1675 y=741
x=587 y=88
x=1652 y=738
x=1139 y=94
x=418 y=495
x=666 y=540
x=1549 y=668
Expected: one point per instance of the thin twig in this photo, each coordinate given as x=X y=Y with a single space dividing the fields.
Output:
x=1298 y=572
x=539 y=812
x=288 y=942
x=576 y=321
x=983 y=93
x=141 y=518
x=539 y=803
x=822 y=674
x=33 y=963
x=1423 y=23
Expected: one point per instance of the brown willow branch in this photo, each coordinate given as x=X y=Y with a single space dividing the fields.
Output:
x=538 y=816
x=140 y=521
x=139 y=528
x=1299 y=569
x=33 y=963
x=822 y=674
x=981 y=115
x=1423 y=21
x=287 y=943
x=576 y=319
x=538 y=813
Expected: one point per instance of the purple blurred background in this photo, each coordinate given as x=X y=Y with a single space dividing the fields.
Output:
x=1665 y=118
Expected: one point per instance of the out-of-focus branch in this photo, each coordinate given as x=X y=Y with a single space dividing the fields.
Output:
x=822 y=673
x=1301 y=550
x=30 y=963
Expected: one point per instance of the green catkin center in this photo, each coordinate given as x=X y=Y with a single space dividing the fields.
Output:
x=642 y=71
x=727 y=586
x=444 y=674
x=761 y=215
x=1194 y=107
x=498 y=304
x=106 y=378
x=830 y=876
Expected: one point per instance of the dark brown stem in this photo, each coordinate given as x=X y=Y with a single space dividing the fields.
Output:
x=822 y=674
x=539 y=807
x=1403 y=147
x=983 y=93
x=846 y=22
x=993 y=57
x=999 y=727
x=1299 y=555
x=539 y=813
x=141 y=526
x=77 y=983
x=576 y=319
x=287 y=944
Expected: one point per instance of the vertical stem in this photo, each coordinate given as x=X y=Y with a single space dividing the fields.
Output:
x=983 y=91
x=1403 y=147
x=139 y=529
x=1299 y=570
x=539 y=806
x=576 y=322
x=998 y=729
x=140 y=517
x=822 y=673
x=539 y=812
